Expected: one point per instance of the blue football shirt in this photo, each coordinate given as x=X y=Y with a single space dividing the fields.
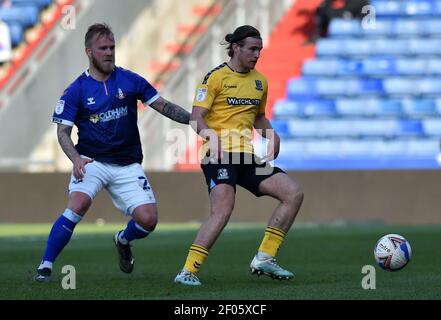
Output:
x=106 y=115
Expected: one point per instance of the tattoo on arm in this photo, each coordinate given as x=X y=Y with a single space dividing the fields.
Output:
x=176 y=113
x=66 y=143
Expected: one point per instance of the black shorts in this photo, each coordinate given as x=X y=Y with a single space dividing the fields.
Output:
x=244 y=169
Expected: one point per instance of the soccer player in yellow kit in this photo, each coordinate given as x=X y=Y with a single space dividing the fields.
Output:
x=228 y=104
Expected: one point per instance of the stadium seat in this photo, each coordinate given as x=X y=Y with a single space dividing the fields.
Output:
x=425 y=148
x=429 y=86
x=400 y=86
x=408 y=128
x=323 y=67
x=411 y=67
x=420 y=107
x=26 y=16
x=433 y=66
x=388 y=108
x=16 y=32
x=355 y=107
x=432 y=127
x=404 y=8
x=39 y=3
x=285 y=108
x=346 y=28
x=301 y=88
x=324 y=108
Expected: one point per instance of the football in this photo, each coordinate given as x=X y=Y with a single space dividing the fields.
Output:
x=392 y=252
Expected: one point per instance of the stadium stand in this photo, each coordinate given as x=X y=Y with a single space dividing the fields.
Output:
x=371 y=97
x=21 y=15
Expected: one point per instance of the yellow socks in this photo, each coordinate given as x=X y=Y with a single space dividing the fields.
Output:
x=195 y=258
x=272 y=240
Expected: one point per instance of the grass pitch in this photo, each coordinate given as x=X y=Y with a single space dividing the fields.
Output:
x=326 y=260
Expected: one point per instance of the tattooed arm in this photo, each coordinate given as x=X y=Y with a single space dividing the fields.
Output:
x=171 y=110
x=66 y=143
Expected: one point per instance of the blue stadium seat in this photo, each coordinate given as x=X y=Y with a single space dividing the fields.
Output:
x=319 y=108
x=26 y=16
x=286 y=108
x=322 y=67
x=374 y=128
x=379 y=66
x=331 y=87
x=303 y=128
x=432 y=27
x=424 y=46
x=409 y=128
x=388 y=108
x=329 y=47
x=389 y=47
x=420 y=107
x=411 y=66
x=389 y=8
x=39 y=3
x=400 y=86
x=356 y=47
x=433 y=66
x=404 y=8
x=302 y=89
x=344 y=28
x=429 y=86
x=403 y=27
x=380 y=28
x=355 y=107
x=391 y=148
x=16 y=32
x=423 y=148
x=432 y=127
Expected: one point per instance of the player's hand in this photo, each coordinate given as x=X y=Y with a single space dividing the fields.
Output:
x=79 y=167
x=273 y=148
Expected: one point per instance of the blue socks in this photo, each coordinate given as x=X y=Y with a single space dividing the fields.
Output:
x=131 y=232
x=59 y=236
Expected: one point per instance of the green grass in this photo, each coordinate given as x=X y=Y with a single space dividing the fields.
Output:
x=327 y=262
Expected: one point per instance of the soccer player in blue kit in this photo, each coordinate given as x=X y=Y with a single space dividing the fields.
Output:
x=102 y=103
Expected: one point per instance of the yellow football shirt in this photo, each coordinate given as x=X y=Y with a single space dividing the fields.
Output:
x=234 y=100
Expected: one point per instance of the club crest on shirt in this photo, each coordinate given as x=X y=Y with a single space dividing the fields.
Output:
x=259 y=85
x=121 y=95
x=94 y=118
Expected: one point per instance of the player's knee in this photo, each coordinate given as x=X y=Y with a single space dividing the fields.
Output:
x=79 y=204
x=294 y=195
x=148 y=220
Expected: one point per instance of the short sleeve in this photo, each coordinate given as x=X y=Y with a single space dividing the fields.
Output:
x=206 y=92
x=145 y=91
x=67 y=107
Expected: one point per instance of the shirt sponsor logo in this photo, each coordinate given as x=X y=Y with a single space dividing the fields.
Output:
x=94 y=118
x=201 y=94
x=59 y=108
x=233 y=101
x=109 y=115
x=226 y=86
